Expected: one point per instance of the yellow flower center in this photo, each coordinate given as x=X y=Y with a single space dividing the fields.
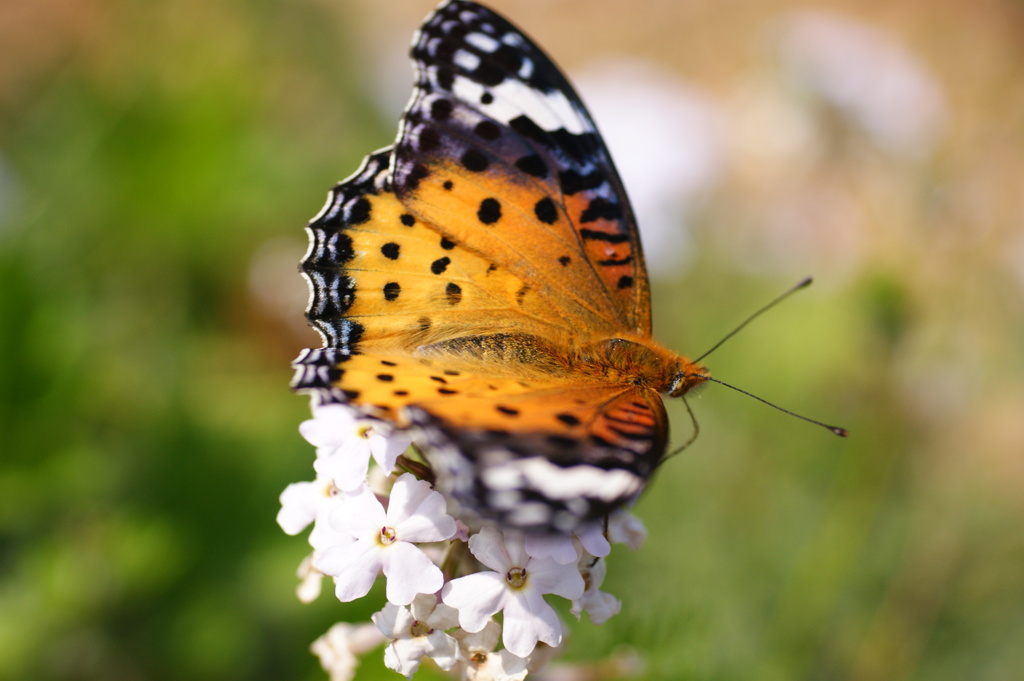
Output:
x=387 y=536
x=516 y=577
x=419 y=628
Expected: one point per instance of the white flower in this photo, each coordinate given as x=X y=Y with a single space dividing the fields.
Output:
x=384 y=541
x=591 y=536
x=302 y=501
x=310 y=580
x=340 y=647
x=479 y=662
x=417 y=631
x=600 y=606
x=626 y=528
x=562 y=549
x=345 y=443
x=517 y=586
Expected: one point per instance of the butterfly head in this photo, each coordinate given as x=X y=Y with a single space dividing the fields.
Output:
x=688 y=375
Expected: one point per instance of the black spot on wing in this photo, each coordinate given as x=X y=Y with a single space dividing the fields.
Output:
x=490 y=211
x=474 y=160
x=453 y=292
x=546 y=211
x=487 y=130
x=601 y=208
x=440 y=265
x=441 y=109
x=533 y=165
x=428 y=139
x=339 y=247
x=595 y=235
x=359 y=211
x=613 y=262
x=571 y=181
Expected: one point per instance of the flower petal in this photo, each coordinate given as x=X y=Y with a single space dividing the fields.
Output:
x=360 y=514
x=409 y=572
x=385 y=448
x=626 y=528
x=393 y=621
x=443 y=617
x=591 y=536
x=429 y=522
x=488 y=547
x=528 y=619
x=600 y=606
x=476 y=597
x=404 y=655
x=443 y=649
x=504 y=666
x=547 y=576
x=406 y=495
x=331 y=426
x=558 y=547
x=299 y=504
x=354 y=569
x=346 y=466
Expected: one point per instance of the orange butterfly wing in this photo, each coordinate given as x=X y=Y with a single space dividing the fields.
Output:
x=528 y=448
x=499 y=153
x=383 y=280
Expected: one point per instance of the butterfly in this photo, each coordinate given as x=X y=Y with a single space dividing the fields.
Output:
x=480 y=285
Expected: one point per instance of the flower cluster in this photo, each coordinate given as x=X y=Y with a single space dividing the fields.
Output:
x=440 y=604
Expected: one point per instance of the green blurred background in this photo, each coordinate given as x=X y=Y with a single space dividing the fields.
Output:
x=158 y=161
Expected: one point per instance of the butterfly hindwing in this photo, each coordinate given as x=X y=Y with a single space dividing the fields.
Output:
x=546 y=459
x=496 y=131
x=528 y=448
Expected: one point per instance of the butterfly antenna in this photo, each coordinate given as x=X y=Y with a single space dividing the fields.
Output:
x=804 y=283
x=841 y=432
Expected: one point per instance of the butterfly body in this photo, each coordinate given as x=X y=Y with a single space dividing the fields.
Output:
x=481 y=285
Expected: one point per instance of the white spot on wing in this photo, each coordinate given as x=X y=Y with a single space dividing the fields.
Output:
x=564 y=484
x=526 y=70
x=513 y=98
x=482 y=42
x=466 y=60
x=513 y=39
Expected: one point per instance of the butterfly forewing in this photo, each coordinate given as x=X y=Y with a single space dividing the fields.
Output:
x=495 y=129
x=382 y=279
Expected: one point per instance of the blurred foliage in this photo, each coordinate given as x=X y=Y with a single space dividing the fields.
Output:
x=157 y=161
